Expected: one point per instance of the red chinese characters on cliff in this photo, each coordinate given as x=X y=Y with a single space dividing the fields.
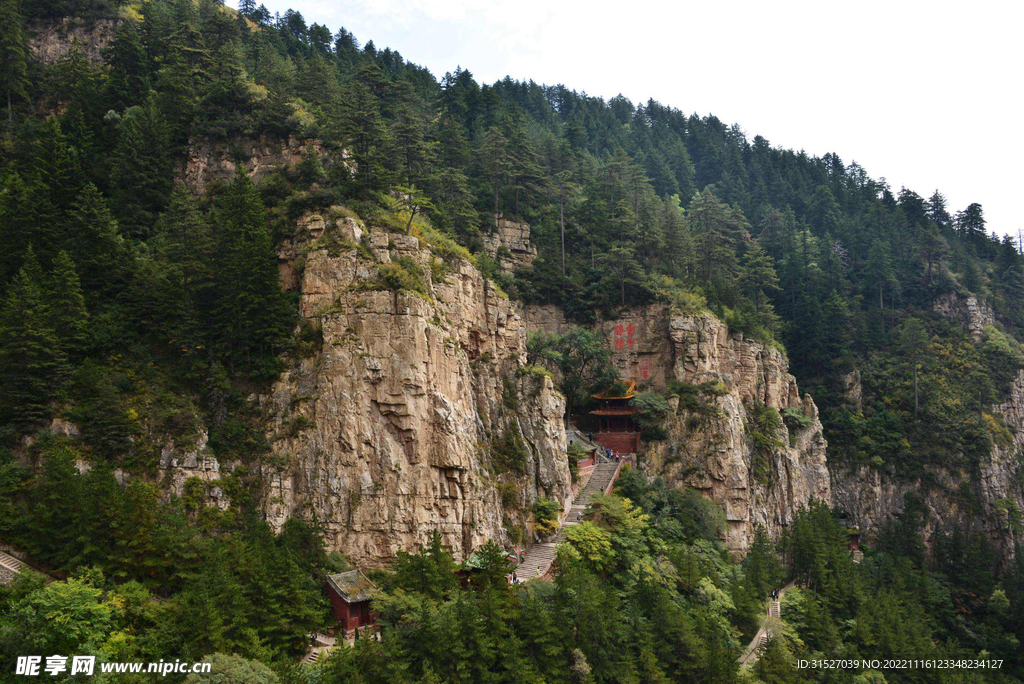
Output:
x=624 y=336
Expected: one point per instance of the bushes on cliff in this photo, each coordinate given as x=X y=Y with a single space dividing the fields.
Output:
x=401 y=275
x=545 y=516
x=652 y=409
x=509 y=454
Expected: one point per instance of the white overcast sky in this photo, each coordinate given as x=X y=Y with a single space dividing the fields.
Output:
x=926 y=94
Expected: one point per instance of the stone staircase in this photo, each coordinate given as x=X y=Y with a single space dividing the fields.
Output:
x=322 y=644
x=760 y=640
x=540 y=556
x=12 y=563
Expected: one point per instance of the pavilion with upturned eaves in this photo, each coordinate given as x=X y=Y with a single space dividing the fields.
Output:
x=617 y=428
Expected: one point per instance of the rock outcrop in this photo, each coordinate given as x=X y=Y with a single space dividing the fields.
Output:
x=510 y=245
x=709 y=447
x=990 y=500
x=968 y=311
x=390 y=431
x=209 y=161
x=51 y=41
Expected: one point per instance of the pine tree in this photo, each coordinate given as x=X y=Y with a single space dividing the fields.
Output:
x=30 y=357
x=912 y=341
x=54 y=178
x=834 y=331
x=496 y=161
x=66 y=307
x=449 y=185
x=880 y=273
x=758 y=276
x=13 y=54
x=970 y=222
x=17 y=224
x=128 y=68
x=250 y=313
x=408 y=133
x=368 y=137
x=142 y=170
x=524 y=168
x=717 y=231
x=185 y=70
x=94 y=240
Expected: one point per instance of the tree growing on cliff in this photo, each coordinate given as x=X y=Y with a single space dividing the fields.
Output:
x=142 y=173
x=13 y=53
x=250 y=313
x=127 y=68
x=68 y=316
x=30 y=354
x=585 y=363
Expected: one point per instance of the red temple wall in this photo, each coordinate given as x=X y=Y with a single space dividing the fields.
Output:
x=623 y=442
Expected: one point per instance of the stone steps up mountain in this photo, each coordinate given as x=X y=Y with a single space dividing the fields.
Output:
x=12 y=563
x=540 y=556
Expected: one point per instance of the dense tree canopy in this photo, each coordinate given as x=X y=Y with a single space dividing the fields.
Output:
x=144 y=311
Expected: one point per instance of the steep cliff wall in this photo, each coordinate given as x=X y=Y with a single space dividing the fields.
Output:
x=967 y=311
x=709 y=445
x=51 y=41
x=211 y=161
x=510 y=245
x=391 y=429
x=990 y=500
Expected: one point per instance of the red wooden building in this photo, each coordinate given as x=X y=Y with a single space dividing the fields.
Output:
x=617 y=429
x=350 y=593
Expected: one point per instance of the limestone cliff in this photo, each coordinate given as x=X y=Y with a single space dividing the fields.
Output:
x=389 y=431
x=972 y=314
x=708 y=443
x=509 y=244
x=990 y=500
x=51 y=41
x=210 y=161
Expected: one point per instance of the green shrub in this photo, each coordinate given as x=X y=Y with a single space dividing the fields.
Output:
x=694 y=398
x=509 y=453
x=439 y=270
x=402 y=275
x=795 y=421
x=545 y=515
x=651 y=409
x=510 y=494
x=763 y=427
x=574 y=454
x=654 y=434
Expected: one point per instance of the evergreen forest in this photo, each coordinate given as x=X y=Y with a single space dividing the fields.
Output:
x=133 y=308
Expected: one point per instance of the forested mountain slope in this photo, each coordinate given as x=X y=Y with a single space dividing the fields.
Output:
x=239 y=251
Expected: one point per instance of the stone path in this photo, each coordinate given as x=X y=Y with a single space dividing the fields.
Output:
x=753 y=650
x=322 y=644
x=540 y=556
x=12 y=563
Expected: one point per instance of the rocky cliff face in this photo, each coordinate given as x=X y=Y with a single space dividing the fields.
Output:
x=510 y=245
x=990 y=500
x=209 y=161
x=968 y=311
x=51 y=41
x=391 y=429
x=709 y=445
